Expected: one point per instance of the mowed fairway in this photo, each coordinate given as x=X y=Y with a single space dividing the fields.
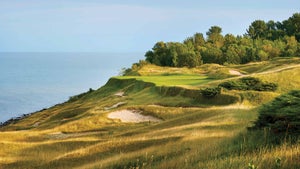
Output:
x=172 y=80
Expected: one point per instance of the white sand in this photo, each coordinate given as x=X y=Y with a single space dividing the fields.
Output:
x=131 y=116
x=234 y=72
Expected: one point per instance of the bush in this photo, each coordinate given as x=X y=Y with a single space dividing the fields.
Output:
x=249 y=83
x=282 y=115
x=233 y=85
x=211 y=92
x=266 y=87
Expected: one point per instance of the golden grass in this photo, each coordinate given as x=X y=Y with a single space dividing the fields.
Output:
x=79 y=135
x=287 y=80
x=190 y=140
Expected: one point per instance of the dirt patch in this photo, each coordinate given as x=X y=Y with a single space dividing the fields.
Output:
x=115 y=106
x=120 y=94
x=131 y=116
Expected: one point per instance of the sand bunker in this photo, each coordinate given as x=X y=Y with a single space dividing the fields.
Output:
x=234 y=72
x=130 y=116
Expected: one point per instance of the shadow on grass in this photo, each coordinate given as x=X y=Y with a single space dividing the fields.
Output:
x=194 y=117
x=96 y=153
x=35 y=156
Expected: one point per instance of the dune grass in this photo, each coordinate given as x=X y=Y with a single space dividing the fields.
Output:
x=78 y=134
x=276 y=63
x=189 y=138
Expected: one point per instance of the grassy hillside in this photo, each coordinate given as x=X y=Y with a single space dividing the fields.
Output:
x=193 y=131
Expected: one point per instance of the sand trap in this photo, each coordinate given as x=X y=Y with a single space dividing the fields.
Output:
x=131 y=116
x=234 y=72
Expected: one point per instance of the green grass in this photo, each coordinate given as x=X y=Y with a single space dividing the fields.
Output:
x=172 y=80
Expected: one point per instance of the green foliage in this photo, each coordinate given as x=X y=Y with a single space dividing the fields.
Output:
x=257 y=29
x=233 y=54
x=266 y=87
x=215 y=37
x=174 y=54
x=213 y=55
x=233 y=85
x=262 y=41
x=248 y=83
x=211 y=92
x=282 y=115
x=291 y=46
x=292 y=26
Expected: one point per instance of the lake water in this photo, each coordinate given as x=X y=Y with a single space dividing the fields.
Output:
x=33 y=81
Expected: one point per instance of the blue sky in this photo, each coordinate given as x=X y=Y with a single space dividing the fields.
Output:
x=124 y=25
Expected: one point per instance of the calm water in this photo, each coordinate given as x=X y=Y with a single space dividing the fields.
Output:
x=33 y=81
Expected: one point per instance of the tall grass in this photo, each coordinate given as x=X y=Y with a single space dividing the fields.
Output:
x=78 y=134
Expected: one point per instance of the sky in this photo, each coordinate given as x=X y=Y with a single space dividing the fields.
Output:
x=125 y=25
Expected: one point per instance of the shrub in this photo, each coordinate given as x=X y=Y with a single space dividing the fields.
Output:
x=249 y=83
x=266 y=87
x=282 y=115
x=233 y=85
x=211 y=92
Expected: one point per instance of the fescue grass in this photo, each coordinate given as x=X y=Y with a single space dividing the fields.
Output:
x=276 y=63
x=78 y=134
x=187 y=138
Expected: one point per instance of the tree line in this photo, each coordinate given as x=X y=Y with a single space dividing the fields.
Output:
x=262 y=41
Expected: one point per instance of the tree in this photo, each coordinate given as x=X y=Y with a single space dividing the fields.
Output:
x=257 y=29
x=159 y=55
x=245 y=41
x=292 y=26
x=271 y=30
x=249 y=56
x=199 y=40
x=189 y=59
x=233 y=54
x=214 y=30
x=150 y=56
x=184 y=55
x=262 y=55
x=270 y=48
x=291 y=46
x=214 y=36
x=263 y=41
x=282 y=115
x=213 y=55
x=230 y=39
